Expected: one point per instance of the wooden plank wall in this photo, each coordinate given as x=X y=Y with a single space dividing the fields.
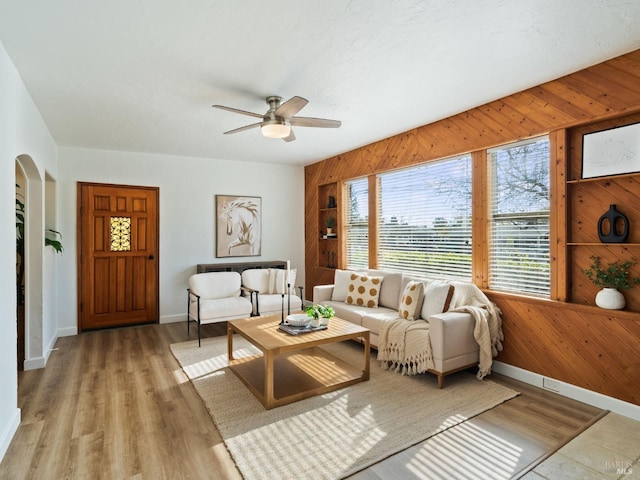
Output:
x=537 y=332
x=582 y=345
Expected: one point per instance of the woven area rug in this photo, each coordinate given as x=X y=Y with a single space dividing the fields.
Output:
x=336 y=434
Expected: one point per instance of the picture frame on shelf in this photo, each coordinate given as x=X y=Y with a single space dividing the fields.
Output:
x=615 y=151
x=238 y=226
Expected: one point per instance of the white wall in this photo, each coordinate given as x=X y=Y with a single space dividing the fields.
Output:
x=187 y=205
x=187 y=199
x=22 y=132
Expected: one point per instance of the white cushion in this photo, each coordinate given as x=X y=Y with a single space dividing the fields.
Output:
x=350 y=313
x=437 y=296
x=340 y=285
x=256 y=279
x=272 y=303
x=374 y=318
x=213 y=285
x=363 y=290
x=391 y=289
x=221 y=308
x=411 y=300
x=278 y=280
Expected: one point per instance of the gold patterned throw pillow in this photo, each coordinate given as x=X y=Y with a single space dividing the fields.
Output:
x=411 y=300
x=363 y=290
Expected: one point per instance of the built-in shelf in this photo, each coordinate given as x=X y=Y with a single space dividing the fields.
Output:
x=605 y=178
x=587 y=200
x=600 y=244
x=328 y=248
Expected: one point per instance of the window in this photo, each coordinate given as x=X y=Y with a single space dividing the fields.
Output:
x=357 y=228
x=424 y=223
x=519 y=244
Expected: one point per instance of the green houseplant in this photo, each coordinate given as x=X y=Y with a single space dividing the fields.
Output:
x=611 y=279
x=52 y=238
x=330 y=223
x=320 y=313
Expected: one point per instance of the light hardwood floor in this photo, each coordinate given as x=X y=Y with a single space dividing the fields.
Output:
x=114 y=404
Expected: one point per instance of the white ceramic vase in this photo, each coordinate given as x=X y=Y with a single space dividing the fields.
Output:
x=610 y=298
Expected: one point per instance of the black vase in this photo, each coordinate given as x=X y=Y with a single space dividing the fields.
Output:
x=618 y=225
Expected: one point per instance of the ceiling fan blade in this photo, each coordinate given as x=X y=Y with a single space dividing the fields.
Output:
x=291 y=137
x=292 y=106
x=235 y=110
x=314 y=122
x=242 y=129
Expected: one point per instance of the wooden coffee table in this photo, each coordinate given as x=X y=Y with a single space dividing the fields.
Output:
x=292 y=367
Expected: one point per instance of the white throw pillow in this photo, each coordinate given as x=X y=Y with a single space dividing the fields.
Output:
x=292 y=279
x=256 y=279
x=363 y=290
x=278 y=280
x=411 y=300
x=392 y=287
x=340 y=285
x=437 y=297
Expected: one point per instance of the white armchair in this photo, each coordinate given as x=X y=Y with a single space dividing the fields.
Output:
x=216 y=297
x=269 y=284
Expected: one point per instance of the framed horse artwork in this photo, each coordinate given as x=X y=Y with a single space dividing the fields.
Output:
x=238 y=226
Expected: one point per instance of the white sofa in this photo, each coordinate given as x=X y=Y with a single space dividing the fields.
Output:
x=451 y=334
x=268 y=285
x=216 y=297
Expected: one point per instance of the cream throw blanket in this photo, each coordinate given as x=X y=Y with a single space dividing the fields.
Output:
x=404 y=345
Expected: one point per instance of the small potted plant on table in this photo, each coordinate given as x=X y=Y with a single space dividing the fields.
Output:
x=320 y=314
x=611 y=278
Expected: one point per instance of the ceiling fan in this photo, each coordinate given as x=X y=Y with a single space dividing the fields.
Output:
x=279 y=119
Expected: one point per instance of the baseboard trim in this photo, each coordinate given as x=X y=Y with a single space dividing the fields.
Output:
x=181 y=317
x=568 y=390
x=34 y=363
x=9 y=432
x=67 y=332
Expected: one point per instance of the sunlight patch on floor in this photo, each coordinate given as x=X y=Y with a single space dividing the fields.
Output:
x=466 y=452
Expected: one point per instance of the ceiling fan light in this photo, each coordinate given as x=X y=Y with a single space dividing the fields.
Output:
x=276 y=129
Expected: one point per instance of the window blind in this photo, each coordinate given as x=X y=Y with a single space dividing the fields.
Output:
x=357 y=228
x=519 y=240
x=424 y=223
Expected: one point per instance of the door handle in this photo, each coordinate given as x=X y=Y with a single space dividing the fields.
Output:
x=151 y=257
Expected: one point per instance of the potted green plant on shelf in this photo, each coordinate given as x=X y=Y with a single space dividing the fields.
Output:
x=320 y=314
x=611 y=279
x=330 y=223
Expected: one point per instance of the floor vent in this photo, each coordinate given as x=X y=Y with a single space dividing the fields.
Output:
x=550 y=384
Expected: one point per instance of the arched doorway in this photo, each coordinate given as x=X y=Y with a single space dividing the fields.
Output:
x=32 y=193
x=20 y=262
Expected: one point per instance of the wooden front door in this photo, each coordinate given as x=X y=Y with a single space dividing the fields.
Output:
x=117 y=255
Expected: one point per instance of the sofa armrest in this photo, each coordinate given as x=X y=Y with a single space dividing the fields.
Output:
x=451 y=334
x=193 y=297
x=248 y=290
x=322 y=293
x=255 y=307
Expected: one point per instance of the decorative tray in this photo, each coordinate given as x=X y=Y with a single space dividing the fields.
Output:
x=291 y=330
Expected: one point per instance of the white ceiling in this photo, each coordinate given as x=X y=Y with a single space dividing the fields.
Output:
x=141 y=75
